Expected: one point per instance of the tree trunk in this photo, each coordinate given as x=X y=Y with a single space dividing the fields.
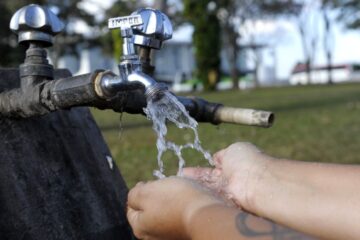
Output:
x=256 y=74
x=329 y=67
x=257 y=60
x=308 y=70
x=233 y=59
x=307 y=55
x=327 y=44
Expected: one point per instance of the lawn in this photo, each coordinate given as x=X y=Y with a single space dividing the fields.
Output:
x=313 y=123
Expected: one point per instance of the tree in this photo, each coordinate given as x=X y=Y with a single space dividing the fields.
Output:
x=309 y=32
x=234 y=15
x=206 y=39
x=307 y=24
x=328 y=37
x=349 y=12
x=71 y=12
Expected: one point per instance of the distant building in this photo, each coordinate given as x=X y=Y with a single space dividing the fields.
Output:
x=87 y=60
x=175 y=61
x=319 y=74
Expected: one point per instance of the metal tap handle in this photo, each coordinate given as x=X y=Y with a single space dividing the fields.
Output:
x=150 y=27
x=126 y=25
x=155 y=29
x=35 y=23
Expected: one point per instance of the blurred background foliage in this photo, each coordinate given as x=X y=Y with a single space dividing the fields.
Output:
x=206 y=40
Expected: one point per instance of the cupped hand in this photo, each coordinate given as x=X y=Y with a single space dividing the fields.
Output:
x=163 y=209
x=238 y=168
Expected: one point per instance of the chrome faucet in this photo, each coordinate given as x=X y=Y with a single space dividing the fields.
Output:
x=156 y=28
x=146 y=29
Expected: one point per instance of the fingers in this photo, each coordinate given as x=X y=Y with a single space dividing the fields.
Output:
x=139 y=184
x=134 y=217
x=196 y=173
x=202 y=174
x=136 y=195
x=218 y=158
x=208 y=177
x=244 y=147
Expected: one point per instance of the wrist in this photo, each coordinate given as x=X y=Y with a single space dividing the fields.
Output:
x=246 y=186
x=268 y=191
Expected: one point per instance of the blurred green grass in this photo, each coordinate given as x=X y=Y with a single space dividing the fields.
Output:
x=313 y=123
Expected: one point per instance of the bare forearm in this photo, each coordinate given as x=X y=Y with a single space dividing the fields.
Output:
x=320 y=199
x=221 y=222
x=213 y=222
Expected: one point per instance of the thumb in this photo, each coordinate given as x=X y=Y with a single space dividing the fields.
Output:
x=209 y=177
x=134 y=219
x=218 y=158
x=196 y=173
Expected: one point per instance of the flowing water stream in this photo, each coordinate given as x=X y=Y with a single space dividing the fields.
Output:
x=169 y=108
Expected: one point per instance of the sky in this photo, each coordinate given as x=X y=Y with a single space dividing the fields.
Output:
x=345 y=49
x=282 y=35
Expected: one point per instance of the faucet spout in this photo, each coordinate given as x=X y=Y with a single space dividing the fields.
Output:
x=142 y=78
x=108 y=85
x=153 y=89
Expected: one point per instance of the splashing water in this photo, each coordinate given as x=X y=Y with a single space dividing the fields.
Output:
x=169 y=108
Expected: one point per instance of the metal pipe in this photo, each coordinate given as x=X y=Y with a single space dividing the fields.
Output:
x=152 y=87
x=85 y=90
x=145 y=60
x=69 y=92
x=250 y=117
x=216 y=113
x=16 y=103
x=108 y=85
x=142 y=78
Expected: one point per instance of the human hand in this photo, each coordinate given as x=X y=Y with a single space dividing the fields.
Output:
x=238 y=168
x=163 y=209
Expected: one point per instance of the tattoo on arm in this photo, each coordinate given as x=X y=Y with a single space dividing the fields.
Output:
x=274 y=231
